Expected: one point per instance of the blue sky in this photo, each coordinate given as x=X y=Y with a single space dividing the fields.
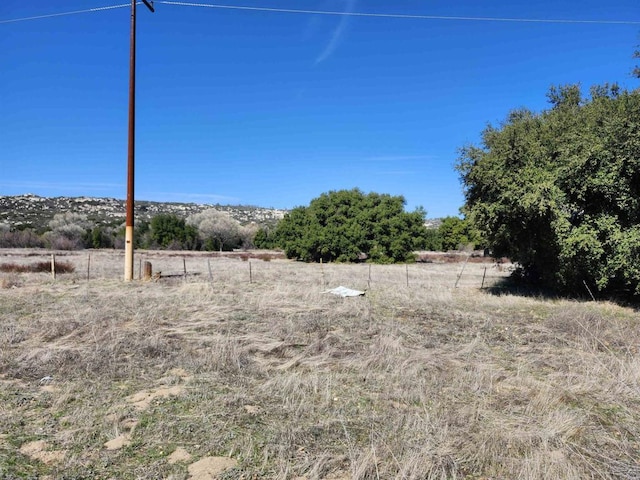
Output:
x=273 y=109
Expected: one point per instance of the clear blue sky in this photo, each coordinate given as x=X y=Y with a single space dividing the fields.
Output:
x=272 y=109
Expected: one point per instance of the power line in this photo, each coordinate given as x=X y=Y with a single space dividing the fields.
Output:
x=400 y=16
x=337 y=13
x=75 y=12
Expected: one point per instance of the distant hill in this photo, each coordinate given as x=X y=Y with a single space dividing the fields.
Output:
x=33 y=211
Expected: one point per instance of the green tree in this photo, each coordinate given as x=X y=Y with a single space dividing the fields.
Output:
x=433 y=240
x=264 y=238
x=457 y=233
x=345 y=224
x=559 y=191
x=99 y=237
x=171 y=231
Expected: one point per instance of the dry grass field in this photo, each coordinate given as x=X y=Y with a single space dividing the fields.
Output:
x=233 y=376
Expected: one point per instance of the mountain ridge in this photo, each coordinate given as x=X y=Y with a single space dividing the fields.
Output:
x=33 y=211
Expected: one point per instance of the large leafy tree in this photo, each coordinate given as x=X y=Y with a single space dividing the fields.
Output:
x=559 y=191
x=171 y=231
x=458 y=233
x=342 y=225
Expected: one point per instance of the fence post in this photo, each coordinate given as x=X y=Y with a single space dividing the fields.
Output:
x=53 y=266
x=589 y=290
x=88 y=266
x=148 y=271
x=210 y=274
x=483 y=275
x=462 y=270
x=250 y=273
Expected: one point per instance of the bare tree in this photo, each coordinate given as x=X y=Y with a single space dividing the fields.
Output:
x=67 y=230
x=248 y=235
x=217 y=226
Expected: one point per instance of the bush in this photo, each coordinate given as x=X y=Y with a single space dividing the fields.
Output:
x=20 y=239
x=348 y=225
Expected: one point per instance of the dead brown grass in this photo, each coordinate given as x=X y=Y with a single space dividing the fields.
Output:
x=423 y=381
x=45 y=266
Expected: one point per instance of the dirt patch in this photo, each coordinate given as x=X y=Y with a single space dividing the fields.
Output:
x=38 y=451
x=142 y=400
x=180 y=372
x=207 y=468
x=118 y=442
x=179 y=455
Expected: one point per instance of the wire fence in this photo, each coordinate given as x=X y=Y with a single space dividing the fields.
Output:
x=248 y=269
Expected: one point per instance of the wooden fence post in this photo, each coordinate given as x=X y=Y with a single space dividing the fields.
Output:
x=462 y=270
x=210 y=274
x=148 y=271
x=53 y=266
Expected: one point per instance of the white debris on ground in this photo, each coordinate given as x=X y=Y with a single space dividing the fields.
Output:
x=345 y=292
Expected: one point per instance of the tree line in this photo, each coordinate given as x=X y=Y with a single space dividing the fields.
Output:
x=207 y=230
x=345 y=225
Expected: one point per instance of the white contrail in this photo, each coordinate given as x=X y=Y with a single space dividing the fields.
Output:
x=337 y=34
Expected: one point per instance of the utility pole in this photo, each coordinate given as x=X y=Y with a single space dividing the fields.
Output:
x=128 y=248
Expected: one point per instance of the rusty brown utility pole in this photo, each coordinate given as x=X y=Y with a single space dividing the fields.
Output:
x=128 y=247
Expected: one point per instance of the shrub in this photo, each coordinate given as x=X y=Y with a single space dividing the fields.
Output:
x=20 y=239
x=347 y=225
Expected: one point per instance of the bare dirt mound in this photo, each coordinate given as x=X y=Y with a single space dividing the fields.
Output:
x=208 y=468
x=39 y=451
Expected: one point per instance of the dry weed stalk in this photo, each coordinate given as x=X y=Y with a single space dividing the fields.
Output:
x=418 y=382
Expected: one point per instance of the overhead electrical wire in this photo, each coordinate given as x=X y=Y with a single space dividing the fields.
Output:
x=337 y=13
x=75 y=12
x=396 y=15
